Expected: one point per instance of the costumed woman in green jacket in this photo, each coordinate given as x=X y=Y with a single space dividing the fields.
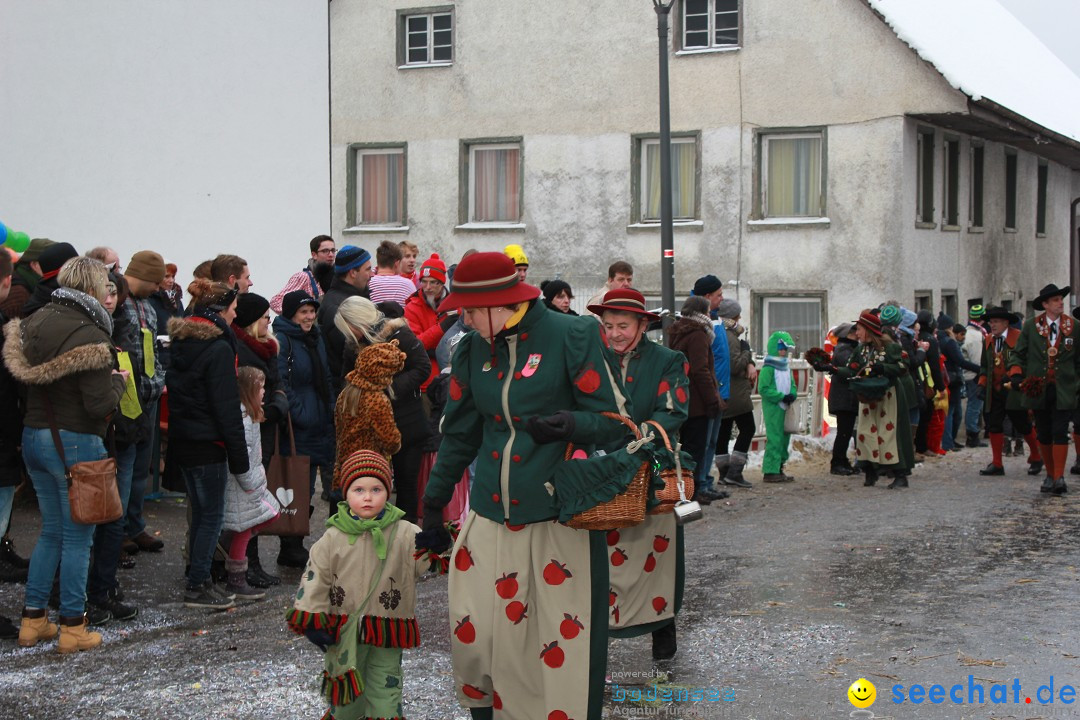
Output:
x=646 y=560
x=528 y=596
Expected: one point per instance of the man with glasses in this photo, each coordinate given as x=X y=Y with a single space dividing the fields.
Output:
x=323 y=251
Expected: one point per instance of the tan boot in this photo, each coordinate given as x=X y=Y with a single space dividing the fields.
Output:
x=35 y=627
x=74 y=636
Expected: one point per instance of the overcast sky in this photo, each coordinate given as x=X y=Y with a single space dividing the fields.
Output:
x=1055 y=22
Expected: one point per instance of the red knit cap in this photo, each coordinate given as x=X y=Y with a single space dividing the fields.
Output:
x=434 y=268
x=366 y=463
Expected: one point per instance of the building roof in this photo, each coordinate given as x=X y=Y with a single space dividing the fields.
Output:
x=986 y=53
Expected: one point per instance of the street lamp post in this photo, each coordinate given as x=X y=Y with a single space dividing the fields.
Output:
x=667 y=239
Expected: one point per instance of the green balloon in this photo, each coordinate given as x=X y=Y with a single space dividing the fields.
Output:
x=17 y=241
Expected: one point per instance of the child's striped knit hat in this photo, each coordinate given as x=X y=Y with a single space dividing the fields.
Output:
x=366 y=463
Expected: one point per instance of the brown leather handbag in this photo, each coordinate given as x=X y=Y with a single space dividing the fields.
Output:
x=92 y=493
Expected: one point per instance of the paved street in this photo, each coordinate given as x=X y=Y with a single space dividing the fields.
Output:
x=793 y=592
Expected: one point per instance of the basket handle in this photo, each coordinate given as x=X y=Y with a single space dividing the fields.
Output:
x=667 y=443
x=613 y=416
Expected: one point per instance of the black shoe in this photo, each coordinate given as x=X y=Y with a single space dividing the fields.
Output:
x=1047 y=484
x=115 y=609
x=702 y=498
x=774 y=478
x=8 y=555
x=664 y=646
x=898 y=482
x=1075 y=469
x=956 y=448
x=126 y=562
x=870 y=477
x=97 y=615
x=737 y=480
x=205 y=597
x=992 y=469
x=11 y=574
x=257 y=577
x=841 y=470
x=293 y=553
x=8 y=630
x=1060 y=488
x=1035 y=468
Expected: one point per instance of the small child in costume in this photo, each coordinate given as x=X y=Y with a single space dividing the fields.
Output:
x=777 y=395
x=357 y=596
x=249 y=506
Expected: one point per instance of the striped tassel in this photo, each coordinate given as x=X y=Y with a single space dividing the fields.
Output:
x=389 y=632
x=343 y=689
x=299 y=621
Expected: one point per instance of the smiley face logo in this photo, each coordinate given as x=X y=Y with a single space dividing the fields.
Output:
x=862 y=693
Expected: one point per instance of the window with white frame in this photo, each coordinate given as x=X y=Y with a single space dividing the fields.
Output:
x=684 y=178
x=377 y=182
x=426 y=36
x=798 y=315
x=494 y=174
x=792 y=174
x=709 y=24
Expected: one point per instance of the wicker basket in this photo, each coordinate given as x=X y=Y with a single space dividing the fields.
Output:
x=627 y=508
x=669 y=495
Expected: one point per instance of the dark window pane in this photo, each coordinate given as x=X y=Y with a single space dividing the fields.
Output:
x=441 y=22
x=727 y=37
x=698 y=39
x=727 y=21
x=441 y=54
x=418 y=56
x=417 y=23
x=441 y=37
x=696 y=6
x=697 y=23
x=727 y=6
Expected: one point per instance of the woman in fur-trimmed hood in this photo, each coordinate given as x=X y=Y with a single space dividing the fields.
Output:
x=65 y=356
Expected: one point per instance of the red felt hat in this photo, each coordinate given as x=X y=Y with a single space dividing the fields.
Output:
x=623 y=300
x=487 y=279
x=870 y=321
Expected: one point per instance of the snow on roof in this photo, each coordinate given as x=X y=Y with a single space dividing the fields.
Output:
x=985 y=52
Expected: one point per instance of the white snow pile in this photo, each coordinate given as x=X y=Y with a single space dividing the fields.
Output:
x=983 y=51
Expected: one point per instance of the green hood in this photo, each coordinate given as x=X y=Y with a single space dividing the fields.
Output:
x=773 y=347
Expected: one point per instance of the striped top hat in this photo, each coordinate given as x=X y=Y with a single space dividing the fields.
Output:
x=623 y=300
x=487 y=279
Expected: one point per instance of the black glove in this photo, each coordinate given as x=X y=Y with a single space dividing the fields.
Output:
x=876 y=371
x=981 y=392
x=448 y=322
x=790 y=398
x=435 y=536
x=552 y=428
x=321 y=638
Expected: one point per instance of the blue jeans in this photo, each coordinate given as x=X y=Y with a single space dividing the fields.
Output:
x=7 y=498
x=974 y=409
x=140 y=473
x=62 y=542
x=109 y=538
x=953 y=417
x=701 y=473
x=206 y=493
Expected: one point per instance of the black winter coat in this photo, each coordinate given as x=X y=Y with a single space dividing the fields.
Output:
x=955 y=364
x=305 y=377
x=264 y=356
x=335 y=341
x=841 y=399
x=12 y=397
x=409 y=412
x=204 y=400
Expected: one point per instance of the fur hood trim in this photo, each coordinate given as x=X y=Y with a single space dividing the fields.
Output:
x=187 y=328
x=95 y=356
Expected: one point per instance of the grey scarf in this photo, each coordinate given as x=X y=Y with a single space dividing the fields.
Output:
x=88 y=304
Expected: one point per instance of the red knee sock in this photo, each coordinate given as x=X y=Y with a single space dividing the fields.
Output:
x=1061 y=458
x=1048 y=459
x=997 y=441
x=1034 y=455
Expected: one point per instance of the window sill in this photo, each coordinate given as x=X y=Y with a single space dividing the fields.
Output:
x=708 y=51
x=362 y=229
x=692 y=225
x=1009 y=230
x=790 y=222
x=483 y=226
x=1040 y=235
x=975 y=230
x=425 y=65
x=919 y=225
x=950 y=228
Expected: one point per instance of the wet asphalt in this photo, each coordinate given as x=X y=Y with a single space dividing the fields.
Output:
x=793 y=592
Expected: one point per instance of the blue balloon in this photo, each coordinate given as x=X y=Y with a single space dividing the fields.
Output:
x=3 y=233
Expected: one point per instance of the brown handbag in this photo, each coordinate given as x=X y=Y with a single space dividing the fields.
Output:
x=92 y=493
x=288 y=479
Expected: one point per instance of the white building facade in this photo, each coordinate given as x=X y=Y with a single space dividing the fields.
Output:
x=820 y=164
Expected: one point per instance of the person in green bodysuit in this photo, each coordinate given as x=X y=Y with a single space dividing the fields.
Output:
x=777 y=394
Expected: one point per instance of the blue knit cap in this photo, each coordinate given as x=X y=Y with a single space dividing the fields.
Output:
x=349 y=258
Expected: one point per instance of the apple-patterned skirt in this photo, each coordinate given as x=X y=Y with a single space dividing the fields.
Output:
x=642 y=562
x=528 y=619
x=875 y=432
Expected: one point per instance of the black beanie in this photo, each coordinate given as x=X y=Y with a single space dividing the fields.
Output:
x=552 y=288
x=249 y=308
x=707 y=284
x=294 y=300
x=54 y=257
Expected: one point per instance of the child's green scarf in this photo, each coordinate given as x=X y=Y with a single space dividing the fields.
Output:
x=354 y=527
